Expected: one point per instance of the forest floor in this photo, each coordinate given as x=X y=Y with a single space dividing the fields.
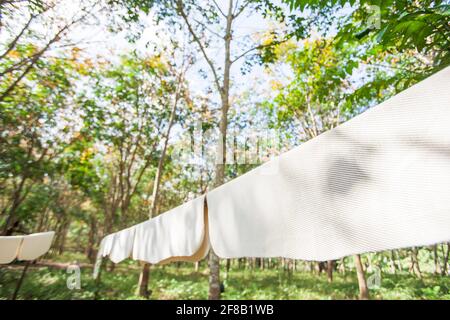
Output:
x=183 y=282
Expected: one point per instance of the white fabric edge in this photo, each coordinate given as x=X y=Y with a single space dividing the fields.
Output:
x=35 y=245
x=9 y=248
x=112 y=245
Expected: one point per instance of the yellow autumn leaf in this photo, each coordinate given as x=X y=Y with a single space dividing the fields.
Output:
x=14 y=54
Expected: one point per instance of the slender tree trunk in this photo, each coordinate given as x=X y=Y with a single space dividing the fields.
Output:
x=223 y=86
x=144 y=276
x=16 y=201
x=311 y=267
x=98 y=282
x=437 y=265
x=91 y=240
x=214 y=279
x=62 y=243
x=363 y=289
x=394 y=266
x=19 y=283
x=145 y=272
x=321 y=267
x=342 y=266
x=42 y=219
x=330 y=266
x=415 y=267
x=446 y=258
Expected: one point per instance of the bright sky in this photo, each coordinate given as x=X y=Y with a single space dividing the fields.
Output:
x=96 y=40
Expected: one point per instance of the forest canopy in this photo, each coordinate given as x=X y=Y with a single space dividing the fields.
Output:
x=114 y=111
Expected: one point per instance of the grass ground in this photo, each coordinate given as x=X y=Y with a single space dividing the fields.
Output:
x=172 y=282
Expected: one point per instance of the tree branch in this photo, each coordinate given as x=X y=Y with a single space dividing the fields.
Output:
x=207 y=28
x=258 y=47
x=201 y=46
x=241 y=9
x=16 y=39
x=33 y=61
x=218 y=8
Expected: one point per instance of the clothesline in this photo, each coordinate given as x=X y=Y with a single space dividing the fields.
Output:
x=379 y=181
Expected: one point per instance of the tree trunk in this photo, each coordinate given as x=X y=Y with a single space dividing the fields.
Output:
x=394 y=266
x=363 y=289
x=321 y=267
x=19 y=283
x=415 y=267
x=437 y=265
x=223 y=88
x=145 y=272
x=62 y=243
x=98 y=282
x=342 y=266
x=17 y=198
x=446 y=258
x=330 y=266
x=214 y=279
x=42 y=219
x=142 y=289
x=311 y=267
x=90 y=253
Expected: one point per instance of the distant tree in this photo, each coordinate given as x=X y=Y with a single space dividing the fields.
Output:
x=180 y=97
x=36 y=125
x=209 y=22
x=125 y=114
x=316 y=97
x=26 y=44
